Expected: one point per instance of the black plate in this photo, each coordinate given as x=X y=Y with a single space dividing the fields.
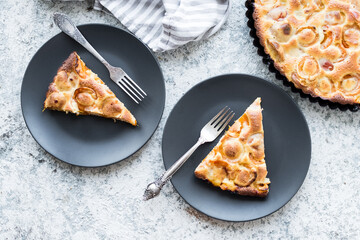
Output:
x=287 y=145
x=92 y=141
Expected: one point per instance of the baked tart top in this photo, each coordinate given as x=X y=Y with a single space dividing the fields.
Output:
x=237 y=162
x=78 y=90
x=314 y=43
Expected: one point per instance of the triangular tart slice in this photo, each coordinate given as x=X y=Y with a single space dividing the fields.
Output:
x=78 y=90
x=237 y=162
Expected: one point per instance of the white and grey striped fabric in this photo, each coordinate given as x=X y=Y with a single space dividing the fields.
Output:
x=167 y=24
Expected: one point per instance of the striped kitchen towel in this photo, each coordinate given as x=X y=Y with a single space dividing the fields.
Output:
x=167 y=24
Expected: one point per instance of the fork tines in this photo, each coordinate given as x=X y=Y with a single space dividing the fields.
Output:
x=131 y=88
x=222 y=119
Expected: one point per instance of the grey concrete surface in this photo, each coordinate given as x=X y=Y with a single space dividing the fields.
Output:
x=43 y=198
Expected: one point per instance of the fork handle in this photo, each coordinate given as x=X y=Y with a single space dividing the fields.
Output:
x=68 y=27
x=175 y=167
x=154 y=188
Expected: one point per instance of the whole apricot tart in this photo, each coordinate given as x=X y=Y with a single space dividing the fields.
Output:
x=314 y=43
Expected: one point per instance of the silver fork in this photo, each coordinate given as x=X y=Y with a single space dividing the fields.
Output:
x=208 y=134
x=116 y=74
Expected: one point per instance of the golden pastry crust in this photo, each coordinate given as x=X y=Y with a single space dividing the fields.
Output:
x=314 y=43
x=237 y=162
x=78 y=90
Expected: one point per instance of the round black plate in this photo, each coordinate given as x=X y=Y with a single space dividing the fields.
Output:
x=287 y=145
x=92 y=141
